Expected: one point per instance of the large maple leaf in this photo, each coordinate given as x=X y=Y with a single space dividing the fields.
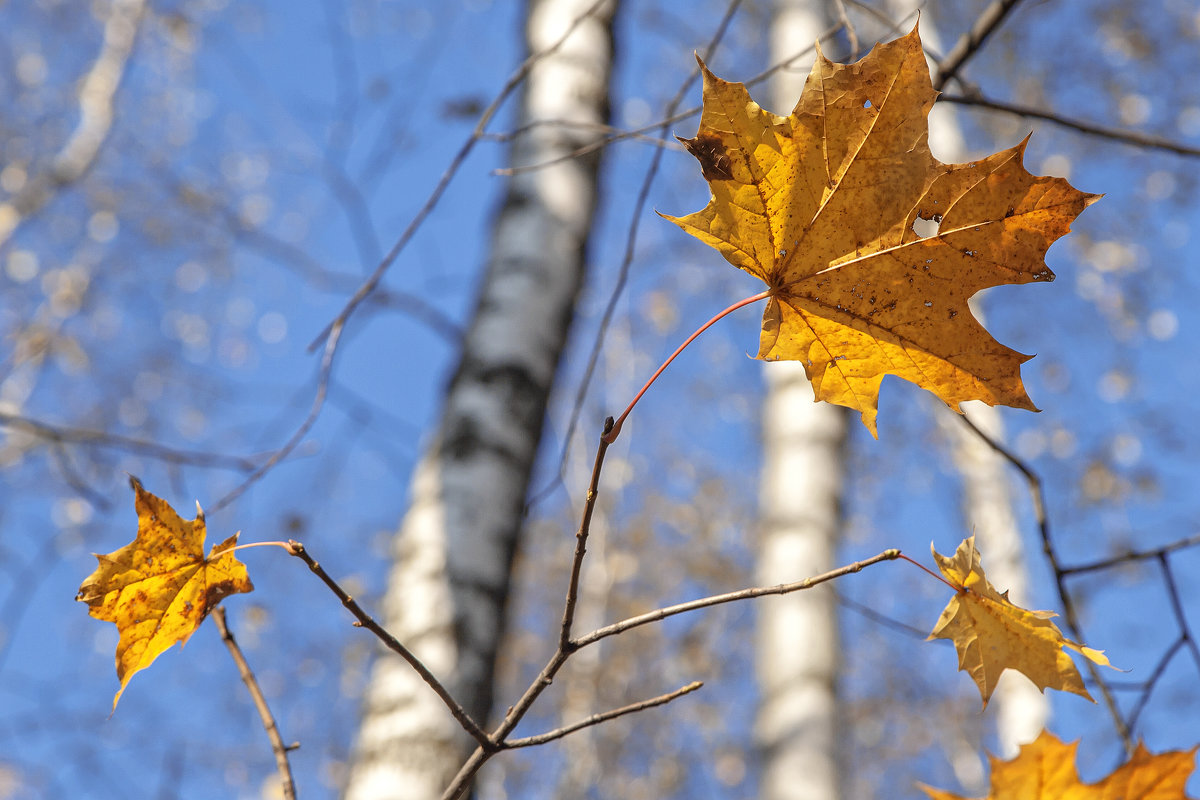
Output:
x=992 y=634
x=821 y=206
x=160 y=587
x=1045 y=770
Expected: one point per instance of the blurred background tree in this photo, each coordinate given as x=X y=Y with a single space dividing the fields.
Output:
x=191 y=191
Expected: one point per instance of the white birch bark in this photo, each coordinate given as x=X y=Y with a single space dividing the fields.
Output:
x=452 y=556
x=798 y=645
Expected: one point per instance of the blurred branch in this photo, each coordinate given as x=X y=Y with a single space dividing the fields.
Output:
x=287 y=785
x=111 y=441
x=662 y=124
x=61 y=457
x=456 y=163
x=1132 y=138
x=1070 y=615
x=970 y=42
x=1134 y=555
x=97 y=91
x=1185 y=631
x=365 y=620
x=883 y=620
x=314 y=411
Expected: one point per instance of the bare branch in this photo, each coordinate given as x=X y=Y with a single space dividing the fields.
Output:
x=365 y=620
x=585 y=525
x=110 y=441
x=1185 y=630
x=596 y=719
x=1132 y=138
x=288 y=786
x=971 y=41
x=731 y=597
x=1134 y=555
x=1147 y=687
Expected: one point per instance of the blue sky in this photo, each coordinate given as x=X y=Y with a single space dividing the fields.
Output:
x=292 y=118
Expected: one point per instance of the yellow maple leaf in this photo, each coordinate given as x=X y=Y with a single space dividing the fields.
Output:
x=992 y=634
x=1045 y=770
x=160 y=587
x=821 y=206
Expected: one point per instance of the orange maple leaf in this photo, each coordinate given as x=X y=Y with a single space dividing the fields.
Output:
x=821 y=206
x=160 y=587
x=991 y=634
x=1045 y=770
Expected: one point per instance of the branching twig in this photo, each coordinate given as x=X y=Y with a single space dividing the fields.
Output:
x=1148 y=686
x=260 y=702
x=596 y=719
x=1185 y=630
x=365 y=620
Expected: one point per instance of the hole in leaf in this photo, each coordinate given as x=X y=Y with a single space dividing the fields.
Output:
x=925 y=228
x=867 y=104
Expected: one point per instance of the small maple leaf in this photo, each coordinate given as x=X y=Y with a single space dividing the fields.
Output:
x=992 y=634
x=821 y=206
x=1045 y=770
x=160 y=587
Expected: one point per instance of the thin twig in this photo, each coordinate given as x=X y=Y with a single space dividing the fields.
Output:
x=287 y=785
x=731 y=597
x=1070 y=616
x=1134 y=555
x=1122 y=136
x=848 y=26
x=111 y=441
x=970 y=42
x=1185 y=630
x=596 y=719
x=460 y=157
x=883 y=620
x=314 y=411
x=365 y=620
x=1152 y=681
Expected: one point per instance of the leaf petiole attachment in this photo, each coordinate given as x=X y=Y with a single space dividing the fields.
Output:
x=612 y=434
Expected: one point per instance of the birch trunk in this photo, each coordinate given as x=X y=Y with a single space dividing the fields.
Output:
x=798 y=645
x=449 y=581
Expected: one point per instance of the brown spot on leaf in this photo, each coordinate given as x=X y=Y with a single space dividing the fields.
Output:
x=709 y=150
